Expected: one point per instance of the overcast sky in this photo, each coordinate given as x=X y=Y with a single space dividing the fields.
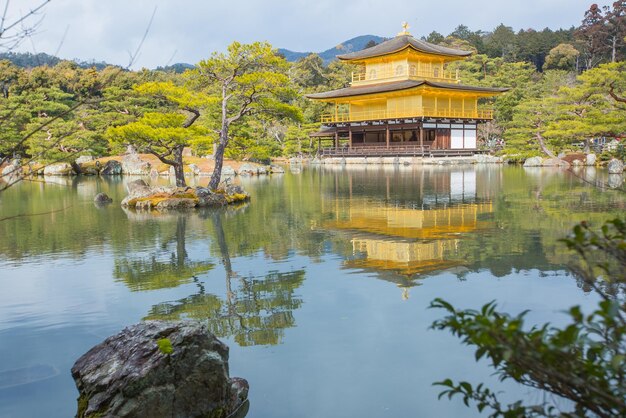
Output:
x=189 y=30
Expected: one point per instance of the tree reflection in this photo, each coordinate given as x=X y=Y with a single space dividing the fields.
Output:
x=255 y=310
x=165 y=268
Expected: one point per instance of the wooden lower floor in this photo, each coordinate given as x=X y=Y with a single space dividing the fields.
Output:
x=415 y=138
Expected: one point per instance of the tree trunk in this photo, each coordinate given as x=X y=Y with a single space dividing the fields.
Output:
x=219 y=159
x=543 y=147
x=614 y=48
x=178 y=166
x=76 y=167
x=181 y=249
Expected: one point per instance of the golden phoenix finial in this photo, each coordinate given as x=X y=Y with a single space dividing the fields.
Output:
x=405 y=29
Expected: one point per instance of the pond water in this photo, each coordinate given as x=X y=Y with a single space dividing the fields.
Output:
x=320 y=285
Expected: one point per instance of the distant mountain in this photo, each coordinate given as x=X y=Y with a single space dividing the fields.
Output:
x=351 y=45
x=28 y=60
x=178 y=68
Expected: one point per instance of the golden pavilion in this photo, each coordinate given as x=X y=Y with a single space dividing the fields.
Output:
x=403 y=100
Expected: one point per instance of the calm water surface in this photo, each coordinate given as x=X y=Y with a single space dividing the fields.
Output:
x=320 y=285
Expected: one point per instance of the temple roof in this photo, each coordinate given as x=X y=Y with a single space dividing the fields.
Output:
x=399 y=43
x=398 y=86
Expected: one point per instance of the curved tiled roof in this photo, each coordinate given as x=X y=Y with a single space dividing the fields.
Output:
x=397 y=86
x=399 y=43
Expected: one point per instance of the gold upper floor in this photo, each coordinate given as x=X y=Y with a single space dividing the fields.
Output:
x=404 y=66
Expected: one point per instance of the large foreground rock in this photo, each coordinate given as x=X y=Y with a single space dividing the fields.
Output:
x=158 y=369
x=616 y=166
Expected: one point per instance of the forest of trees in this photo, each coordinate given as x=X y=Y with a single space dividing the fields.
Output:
x=567 y=88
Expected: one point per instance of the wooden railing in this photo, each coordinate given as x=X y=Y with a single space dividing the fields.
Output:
x=406 y=113
x=412 y=73
x=381 y=150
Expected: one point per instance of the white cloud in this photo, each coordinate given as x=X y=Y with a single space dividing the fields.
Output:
x=107 y=30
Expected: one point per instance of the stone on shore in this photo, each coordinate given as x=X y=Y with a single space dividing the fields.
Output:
x=158 y=369
x=487 y=159
x=533 y=162
x=111 y=168
x=12 y=171
x=195 y=170
x=84 y=159
x=276 y=169
x=247 y=169
x=590 y=159
x=228 y=171
x=616 y=166
x=135 y=166
x=58 y=169
x=554 y=162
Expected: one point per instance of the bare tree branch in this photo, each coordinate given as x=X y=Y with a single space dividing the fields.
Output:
x=133 y=57
x=12 y=33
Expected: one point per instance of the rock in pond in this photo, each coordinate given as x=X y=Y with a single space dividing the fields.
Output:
x=616 y=166
x=158 y=369
x=142 y=196
x=102 y=199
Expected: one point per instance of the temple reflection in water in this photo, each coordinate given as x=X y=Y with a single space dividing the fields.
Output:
x=410 y=234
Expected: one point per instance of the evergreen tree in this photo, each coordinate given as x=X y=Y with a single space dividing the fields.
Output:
x=247 y=80
x=591 y=36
